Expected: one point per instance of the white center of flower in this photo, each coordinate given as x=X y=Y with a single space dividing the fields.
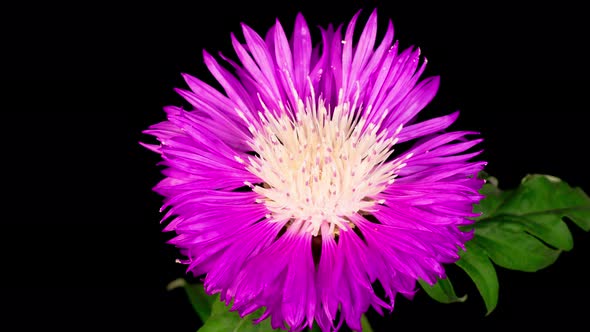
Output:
x=321 y=167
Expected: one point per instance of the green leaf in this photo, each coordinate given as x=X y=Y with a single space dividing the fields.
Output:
x=493 y=197
x=476 y=264
x=442 y=291
x=521 y=229
x=200 y=301
x=316 y=328
x=222 y=320
x=365 y=324
x=217 y=317
x=509 y=246
x=550 y=228
x=546 y=194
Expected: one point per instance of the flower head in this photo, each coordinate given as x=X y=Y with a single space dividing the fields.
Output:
x=286 y=190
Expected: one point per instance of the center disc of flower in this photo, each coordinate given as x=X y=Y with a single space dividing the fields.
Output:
x=321 y=167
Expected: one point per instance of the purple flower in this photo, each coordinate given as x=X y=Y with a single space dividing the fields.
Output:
x=286 y=190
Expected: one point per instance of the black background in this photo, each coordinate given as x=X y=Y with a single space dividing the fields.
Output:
x=82 y=247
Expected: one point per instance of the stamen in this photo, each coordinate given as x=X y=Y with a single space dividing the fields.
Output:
x=323 y=166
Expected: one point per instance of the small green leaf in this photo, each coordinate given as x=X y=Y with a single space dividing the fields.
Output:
x=316 y=328
x=222 y=320
x=365 y=324
x=476 y=264
x=200 y=301
x=494 y=197
x=442 y=291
